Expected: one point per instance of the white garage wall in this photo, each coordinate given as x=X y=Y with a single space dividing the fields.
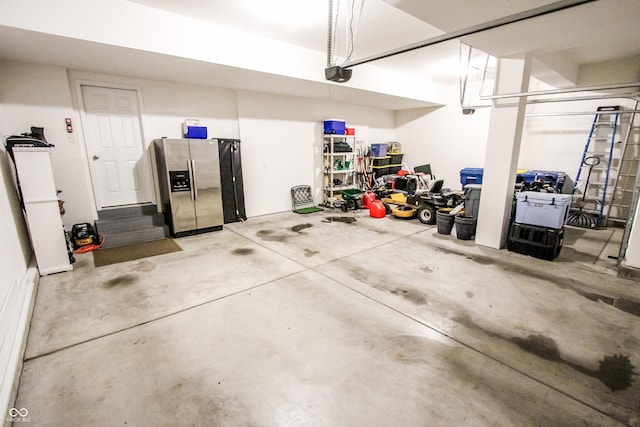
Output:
x=37 y=95
x=281 y=135
x=15 y=249
x=450 y=141
x=557 y=142
x=164 y=106
x=17 y=281
x=282 y=144
x=444 y=138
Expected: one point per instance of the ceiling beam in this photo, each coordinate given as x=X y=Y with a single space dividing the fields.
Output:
x=496 y=23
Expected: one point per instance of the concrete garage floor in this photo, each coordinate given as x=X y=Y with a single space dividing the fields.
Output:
x=313 y=320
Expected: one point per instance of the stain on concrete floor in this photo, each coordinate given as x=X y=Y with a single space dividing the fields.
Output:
x=615 y=371
x=120 y=281
x=623 y=304
x=268 y=236
x=310 y=252
x=243 y=251
x=344 y=219
x=298 y=228
x=144 y=266
x=416 y=297
x=480 y=259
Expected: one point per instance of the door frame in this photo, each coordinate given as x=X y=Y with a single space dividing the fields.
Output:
x=146 y=145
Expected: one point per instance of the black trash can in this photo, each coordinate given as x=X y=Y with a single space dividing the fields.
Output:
x=444 y=221
x=465 y=227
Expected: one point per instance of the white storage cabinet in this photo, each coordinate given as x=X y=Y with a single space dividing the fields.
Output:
x=42 y=214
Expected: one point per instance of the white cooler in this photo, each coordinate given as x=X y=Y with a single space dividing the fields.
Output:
x=542 y=209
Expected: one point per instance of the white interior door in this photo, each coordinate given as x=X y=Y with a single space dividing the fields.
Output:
x=117 y=156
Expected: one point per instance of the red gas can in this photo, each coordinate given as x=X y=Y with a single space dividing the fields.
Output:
x=377 y=209
x=368 y=198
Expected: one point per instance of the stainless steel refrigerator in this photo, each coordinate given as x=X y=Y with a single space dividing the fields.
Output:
x=189 y=177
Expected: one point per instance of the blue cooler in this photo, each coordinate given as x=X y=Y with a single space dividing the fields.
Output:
x=190 y=129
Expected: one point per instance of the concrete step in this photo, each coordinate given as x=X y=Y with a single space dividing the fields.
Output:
x=132 y=224
x=121 y=239
x=127 y=211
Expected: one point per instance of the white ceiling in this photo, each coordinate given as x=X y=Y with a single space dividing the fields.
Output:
x=598 y=31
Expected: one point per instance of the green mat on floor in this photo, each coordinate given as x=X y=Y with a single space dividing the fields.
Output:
x=308 y=210
x=107 y=256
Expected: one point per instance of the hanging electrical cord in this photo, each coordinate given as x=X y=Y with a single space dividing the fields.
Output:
x=330 y=35
x=353 y=29
x=334 y=72
x=335 y=29
x=464 y=71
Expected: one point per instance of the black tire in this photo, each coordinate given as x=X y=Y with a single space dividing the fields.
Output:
x=427 y=214
x=387 y=207
x=344 y=207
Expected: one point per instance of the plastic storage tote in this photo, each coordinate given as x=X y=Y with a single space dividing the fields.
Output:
x=380 y=170
x=471 y=176
x=542 y=209
x=378 y=150
x=396 y=158
x=335 y=126
x=381 y=161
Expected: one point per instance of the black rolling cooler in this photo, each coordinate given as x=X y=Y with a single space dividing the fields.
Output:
x=538 y=229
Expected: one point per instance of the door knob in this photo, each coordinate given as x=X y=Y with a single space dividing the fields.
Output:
x=96 y=157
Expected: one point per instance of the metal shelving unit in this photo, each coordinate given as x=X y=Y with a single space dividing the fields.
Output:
x=339 y=171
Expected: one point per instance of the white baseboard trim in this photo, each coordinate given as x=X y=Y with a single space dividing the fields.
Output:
x=15 y=320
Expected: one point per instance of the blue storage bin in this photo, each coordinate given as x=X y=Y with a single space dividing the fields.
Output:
x=471 y=176
x=335 y=126
x=378 y=150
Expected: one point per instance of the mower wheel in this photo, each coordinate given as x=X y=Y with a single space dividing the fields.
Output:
x=344 y=207
x=427 y=214
x=387 y=207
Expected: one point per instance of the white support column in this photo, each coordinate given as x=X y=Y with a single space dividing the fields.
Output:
x=503 y=149
x=632 y=255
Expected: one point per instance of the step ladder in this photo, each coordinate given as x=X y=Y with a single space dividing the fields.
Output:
x=619 y=210
x=595 y=179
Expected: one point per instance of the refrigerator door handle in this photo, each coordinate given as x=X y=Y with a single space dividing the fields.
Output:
x=195 y=183
x=191 y=179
